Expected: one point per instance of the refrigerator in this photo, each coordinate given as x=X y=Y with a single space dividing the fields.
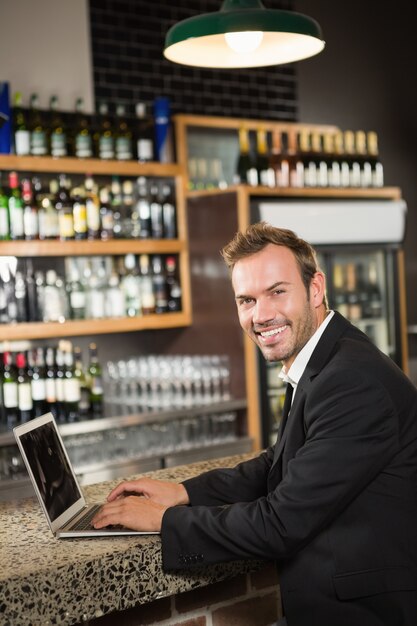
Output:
x=358 y=245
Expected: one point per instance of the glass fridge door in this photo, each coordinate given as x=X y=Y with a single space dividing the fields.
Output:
x=362 y=285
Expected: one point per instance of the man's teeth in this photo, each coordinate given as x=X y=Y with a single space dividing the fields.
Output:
x=275 y=331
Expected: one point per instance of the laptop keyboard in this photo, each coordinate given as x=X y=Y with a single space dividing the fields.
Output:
x=84 y=523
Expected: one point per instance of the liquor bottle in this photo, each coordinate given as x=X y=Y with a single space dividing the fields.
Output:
x=93 y=208
x=320 y=160
x=50 y=381
x=143 y=207
x=164 y=149
x=38 y=137
x=157 y=226
x=295 y=162
x=47 y=213
x=10 y=395
x=361 y=155
x=106 y=135
x=10 y=294
x=36 y=362
x=145 y=134
x=20 y=127
x=60 y=385
x=123 y=141
x=79 y=213
x=332 y=163
x=265 y=173
x=30 y=212
x=33 y=308
x=354 y=304
x=83 y=148
x=77 y=297
x=15 y=208
x=106 y=215
x=341 y=156
x=160 y=288
x=169 y=211
x=278 y=161
x=130 y=284
x=116 y=205
x=84 y=401
x=55 y=301
x=58 y=137
x=130 y=223
x=375 y=300
x=24 y=389
x=20 y=297
x=173 y=284
x=308 y=159
x=244 y=162
x=95 y=382
x=352 y=159
x=376 y=165
x=96 y=296
x=339 y=290
x=146 y=285
x=71 y=383
x=115 y=301
x=4 y=214
x=64 y=209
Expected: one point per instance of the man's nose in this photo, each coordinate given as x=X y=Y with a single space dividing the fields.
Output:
x=264 y=311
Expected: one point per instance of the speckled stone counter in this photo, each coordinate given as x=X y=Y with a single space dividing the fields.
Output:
x=44 y=580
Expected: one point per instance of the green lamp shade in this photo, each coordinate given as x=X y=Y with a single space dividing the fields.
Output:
x=280 y=37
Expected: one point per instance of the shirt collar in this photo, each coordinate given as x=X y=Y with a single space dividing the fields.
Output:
x=296 y=370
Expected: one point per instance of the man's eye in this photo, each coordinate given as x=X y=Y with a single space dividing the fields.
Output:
x=245 y=301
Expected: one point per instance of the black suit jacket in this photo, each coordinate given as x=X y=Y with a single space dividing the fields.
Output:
x=334 y=502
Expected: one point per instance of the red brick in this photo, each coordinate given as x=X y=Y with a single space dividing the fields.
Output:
x=261 y=611
x=211 y=594
x=265 y=577
x=142 y=614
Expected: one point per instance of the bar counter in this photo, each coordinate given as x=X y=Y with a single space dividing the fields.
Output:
x=45 y=580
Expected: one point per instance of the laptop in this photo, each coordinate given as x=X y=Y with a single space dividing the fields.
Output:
x=56 y=484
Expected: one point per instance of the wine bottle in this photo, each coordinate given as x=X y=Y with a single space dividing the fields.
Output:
x=106 y=215
x=342 y=158
x=38 y=137
x=339 y=290
x=278 y=160
x=143 y=208
x=60 y=385
x=30 y=212
x=79 y=212
x=146 y=285
x=319 y=158
x=361 y=155
x=244 y=162
x=83 y=148
x=173 y=284
x=76 y=295
x=352 y=158
x=106 y=147
x=169 y=211
x=58 y=136
x=159 y=285
x=79 y=373
x=130 y=283
x=20 y=127
x=36 y=364
x=16 y=222
x=72 y=390
x=92 y=202
x=145 y=134
x=10 y=394
x=95 y=379
x=376 y=165
x=308 y=159
x=354 y=304
x=24 y=389
x=51 y=381
x=265 y=173
x=123 y=141
x=157 y=226
x=4 y=214
x=332 y=163
x=20 y=297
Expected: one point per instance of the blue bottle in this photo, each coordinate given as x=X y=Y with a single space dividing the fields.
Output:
x=163 y=131
x=5 y=119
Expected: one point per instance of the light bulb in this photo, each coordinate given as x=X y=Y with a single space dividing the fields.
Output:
x=244 y=42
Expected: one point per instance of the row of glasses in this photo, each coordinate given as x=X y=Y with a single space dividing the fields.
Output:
x=160 y=382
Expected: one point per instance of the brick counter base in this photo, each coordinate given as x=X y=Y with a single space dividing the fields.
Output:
x=246 y=600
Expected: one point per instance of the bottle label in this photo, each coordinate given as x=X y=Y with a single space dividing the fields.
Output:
x=10 y=395
x=58 y=145
x=25 y=397
x=123 y=148
x=38 y=143
x=83 y=146
x=50 y=388
x=96 y=308
x=30 y=224
x=66 y=225
x=38 y=389
x=59 y=386
x=80 y=217
x=72 y=391
x=145 y=149
x=106 y=148
x=77 y=300
x=16 y=219
x=22 y=142
x=96 y=386
x=93 y=216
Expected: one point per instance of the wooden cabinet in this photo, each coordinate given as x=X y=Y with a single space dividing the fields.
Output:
x=46 y=165
x=214 y=215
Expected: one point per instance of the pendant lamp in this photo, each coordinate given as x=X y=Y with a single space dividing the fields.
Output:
x=243 y=33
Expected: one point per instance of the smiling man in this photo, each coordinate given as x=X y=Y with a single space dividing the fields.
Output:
x=334 y=502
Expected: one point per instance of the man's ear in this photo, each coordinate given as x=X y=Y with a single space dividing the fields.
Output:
x=318 y=289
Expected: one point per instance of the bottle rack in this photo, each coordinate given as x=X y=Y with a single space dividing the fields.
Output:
x=48 y=165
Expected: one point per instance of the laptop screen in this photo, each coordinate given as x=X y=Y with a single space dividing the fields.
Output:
x=50 y=468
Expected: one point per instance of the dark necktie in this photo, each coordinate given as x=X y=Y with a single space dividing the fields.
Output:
x=286 y=409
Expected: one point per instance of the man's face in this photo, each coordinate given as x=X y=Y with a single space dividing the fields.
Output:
x=273 y=305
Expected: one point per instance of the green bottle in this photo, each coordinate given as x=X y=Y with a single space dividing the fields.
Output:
x=4 y=215
x=95 y=381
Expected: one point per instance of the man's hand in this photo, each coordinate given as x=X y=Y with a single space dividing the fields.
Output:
x=143 y=510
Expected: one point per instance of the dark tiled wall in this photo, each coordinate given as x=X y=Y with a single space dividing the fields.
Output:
x=127 y=43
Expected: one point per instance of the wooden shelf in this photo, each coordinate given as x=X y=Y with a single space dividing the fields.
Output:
x=90 y=248
x=45 y=330
x=70 y=165
x=375 y=193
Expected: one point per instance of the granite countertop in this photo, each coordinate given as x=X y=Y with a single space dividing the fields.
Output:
x=46 y=581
